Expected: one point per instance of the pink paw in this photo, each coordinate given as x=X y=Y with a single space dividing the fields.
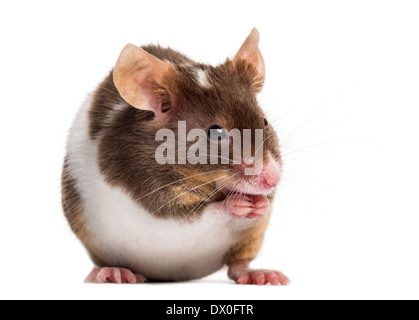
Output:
x=260 y=277
x=114 y=275
x=242 y=206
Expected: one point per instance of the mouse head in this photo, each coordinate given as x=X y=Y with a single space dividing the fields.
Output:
x=206 y=106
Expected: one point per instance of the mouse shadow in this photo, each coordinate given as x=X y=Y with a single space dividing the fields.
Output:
x=193 y=282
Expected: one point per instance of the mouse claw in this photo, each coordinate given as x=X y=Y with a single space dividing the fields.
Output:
x=260 y=277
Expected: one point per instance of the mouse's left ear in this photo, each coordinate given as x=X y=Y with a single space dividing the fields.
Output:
x=250 y=53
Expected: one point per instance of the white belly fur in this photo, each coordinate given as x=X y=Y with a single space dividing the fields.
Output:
x=129 y=235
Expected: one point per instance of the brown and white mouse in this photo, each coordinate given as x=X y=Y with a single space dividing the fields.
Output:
x=141 y=220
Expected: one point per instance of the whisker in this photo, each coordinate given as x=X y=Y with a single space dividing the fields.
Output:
x=301 y=175
x=183 y=179
x=298 y=189
x=271 y=135
x=234 y=189
x=201 y=204
x=311 y=117
x=297 y=129
x=286 y=160
x=286 y=154
x=221 y=157
x=190 y=190
x=312 y=133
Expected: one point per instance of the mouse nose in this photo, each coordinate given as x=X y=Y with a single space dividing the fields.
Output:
x=271 y=181
x=271 y=175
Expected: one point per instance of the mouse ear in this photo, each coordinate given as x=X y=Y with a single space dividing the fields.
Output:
x=250 y=53
x=138 y=75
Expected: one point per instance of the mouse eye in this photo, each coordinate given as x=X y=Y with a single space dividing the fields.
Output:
x=218 y=133
x=266 y=123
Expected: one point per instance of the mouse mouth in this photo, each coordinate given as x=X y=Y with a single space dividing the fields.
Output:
x=248 y=186
x=247 y=192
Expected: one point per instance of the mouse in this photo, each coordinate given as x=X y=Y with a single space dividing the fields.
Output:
x=143 y=212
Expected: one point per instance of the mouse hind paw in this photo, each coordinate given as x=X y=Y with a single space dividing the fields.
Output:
x=114 y=275
x=259 y=277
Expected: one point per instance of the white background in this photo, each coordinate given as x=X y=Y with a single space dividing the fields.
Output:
x=342 y=89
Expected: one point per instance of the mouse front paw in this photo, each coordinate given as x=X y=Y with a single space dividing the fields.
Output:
x=246 y=206
x=114 y=275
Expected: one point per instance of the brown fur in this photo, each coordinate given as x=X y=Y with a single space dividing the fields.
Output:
x=127 y=140
x=127 y=145
x=72 y=206
x=73 y=210
x=250 y=243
